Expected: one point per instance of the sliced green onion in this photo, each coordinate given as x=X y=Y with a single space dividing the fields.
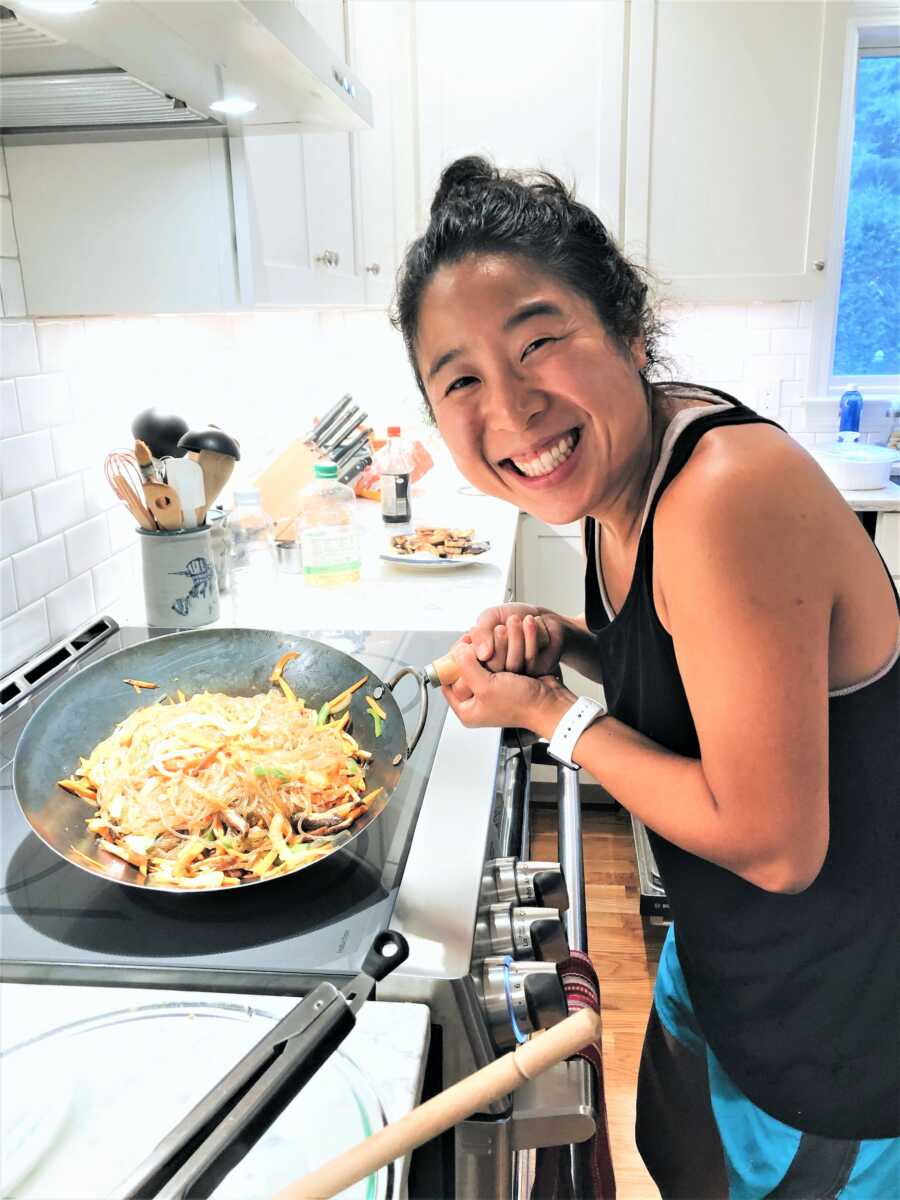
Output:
x=378 y=724
x=322 y=714
x=270 y=772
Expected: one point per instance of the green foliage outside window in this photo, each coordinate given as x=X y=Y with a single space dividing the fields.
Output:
x=868 y=329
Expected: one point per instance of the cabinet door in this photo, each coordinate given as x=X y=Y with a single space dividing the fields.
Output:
x=530 y=85
x=381 y=52
x=124 y=227
x=297 y=242
x=328 y=18
x=733 y=113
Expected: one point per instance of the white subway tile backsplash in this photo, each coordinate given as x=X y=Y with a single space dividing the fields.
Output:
x=87 y=544
x=114 y=577
x=60 y=344
x=60 y=505
x=18 y=349
x=98 y=495
x=40 y=569
x=791 y=391
x=17 y=525
x=8 y=600
x=121 y=527
x=8 y=246
x=25 y=462
x=12 y=290
x=10 y=420
x=774 y=367
x=73 y=445
x=22 y=635
x=791 y=341
x=70 y=606
x=43 y=401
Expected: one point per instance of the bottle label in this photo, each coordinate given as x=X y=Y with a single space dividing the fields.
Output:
x=329 y=551
x=395 y=504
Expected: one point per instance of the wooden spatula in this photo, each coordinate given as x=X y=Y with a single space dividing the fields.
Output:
x=163 y=504
x=217 y=469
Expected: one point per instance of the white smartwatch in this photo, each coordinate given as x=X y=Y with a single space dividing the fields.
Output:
x=571 y=726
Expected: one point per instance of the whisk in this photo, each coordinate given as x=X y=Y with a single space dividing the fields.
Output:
x=124 y=477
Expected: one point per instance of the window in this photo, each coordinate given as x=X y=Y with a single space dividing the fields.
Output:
x=862 y=311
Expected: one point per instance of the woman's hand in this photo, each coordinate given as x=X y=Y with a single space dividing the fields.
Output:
x=482 y=698
x=519 y=638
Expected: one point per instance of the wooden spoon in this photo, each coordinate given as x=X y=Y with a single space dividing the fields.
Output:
x=163 y=504
x=217 y=469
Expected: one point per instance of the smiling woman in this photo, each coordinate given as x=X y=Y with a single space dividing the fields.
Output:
x=747 y=638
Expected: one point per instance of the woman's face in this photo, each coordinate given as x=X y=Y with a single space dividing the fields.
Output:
x=535 y=402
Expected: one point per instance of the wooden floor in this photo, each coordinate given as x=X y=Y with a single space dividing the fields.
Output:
x=624 y=949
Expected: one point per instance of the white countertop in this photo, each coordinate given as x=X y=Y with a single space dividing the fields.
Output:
x=886 y=499
x=387 y=596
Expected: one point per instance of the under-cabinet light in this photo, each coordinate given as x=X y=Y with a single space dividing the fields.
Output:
x=58 y=7
x=233 y=106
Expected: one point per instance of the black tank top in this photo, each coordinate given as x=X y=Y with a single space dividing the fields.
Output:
x=796 y=994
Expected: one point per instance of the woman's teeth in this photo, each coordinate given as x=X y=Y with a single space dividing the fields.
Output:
x=536 y=465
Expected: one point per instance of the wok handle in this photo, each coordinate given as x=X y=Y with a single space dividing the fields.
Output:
x=423 y=702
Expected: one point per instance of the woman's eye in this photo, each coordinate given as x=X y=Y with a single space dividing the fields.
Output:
x=458 y=384
x=538 y=342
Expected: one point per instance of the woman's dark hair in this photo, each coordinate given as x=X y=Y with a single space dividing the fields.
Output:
x=480 y=209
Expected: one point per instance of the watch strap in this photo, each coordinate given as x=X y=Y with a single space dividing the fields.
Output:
x=571 y=726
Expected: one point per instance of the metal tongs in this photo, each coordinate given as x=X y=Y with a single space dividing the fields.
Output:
x=194 y=1158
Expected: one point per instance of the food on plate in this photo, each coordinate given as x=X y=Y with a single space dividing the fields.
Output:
x=212 y=791
x=442 y=543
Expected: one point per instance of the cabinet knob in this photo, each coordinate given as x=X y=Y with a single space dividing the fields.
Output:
x=819 y=264
x=328 y=258
x=374 y=268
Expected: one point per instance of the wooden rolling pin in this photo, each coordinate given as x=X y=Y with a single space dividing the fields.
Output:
x=448 y=1108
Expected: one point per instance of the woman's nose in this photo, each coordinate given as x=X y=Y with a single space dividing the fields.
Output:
x=512 y=403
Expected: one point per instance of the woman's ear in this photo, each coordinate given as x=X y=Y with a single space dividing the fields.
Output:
x=638 y=352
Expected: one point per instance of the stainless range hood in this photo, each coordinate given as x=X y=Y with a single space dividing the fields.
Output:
x=160 y=64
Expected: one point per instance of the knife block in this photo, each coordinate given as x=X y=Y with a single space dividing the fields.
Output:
x=281 y=483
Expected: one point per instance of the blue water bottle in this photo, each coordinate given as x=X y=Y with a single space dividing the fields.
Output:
x=850 y=412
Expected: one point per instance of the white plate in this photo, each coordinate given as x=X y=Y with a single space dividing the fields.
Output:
x=115 y=1084
x=429 y=561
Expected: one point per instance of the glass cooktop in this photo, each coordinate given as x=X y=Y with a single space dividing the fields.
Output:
x=65 y=925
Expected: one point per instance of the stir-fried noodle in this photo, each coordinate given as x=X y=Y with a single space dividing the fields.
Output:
x=215 y=790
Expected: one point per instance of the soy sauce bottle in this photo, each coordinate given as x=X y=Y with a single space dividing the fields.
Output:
x=395 y=469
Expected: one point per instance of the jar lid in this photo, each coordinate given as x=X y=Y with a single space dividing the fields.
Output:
x=393 y=430
x=326 y=470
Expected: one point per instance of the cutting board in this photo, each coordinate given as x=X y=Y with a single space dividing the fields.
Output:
x=281 y=483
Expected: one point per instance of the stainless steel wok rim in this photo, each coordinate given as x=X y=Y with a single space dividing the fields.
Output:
x=288 y=641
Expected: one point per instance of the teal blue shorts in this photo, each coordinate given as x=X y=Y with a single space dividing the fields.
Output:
x=764 y=1159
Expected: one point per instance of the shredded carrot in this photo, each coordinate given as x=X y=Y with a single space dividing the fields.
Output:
x=137 y=684
x=348 y=691
x=181 y=696
x=341 y=723
x=282 y=663
x=207 y=759
x=371 y=796
x=376 y=707
x=285 y=687
x=335 y=708
x=78 y=789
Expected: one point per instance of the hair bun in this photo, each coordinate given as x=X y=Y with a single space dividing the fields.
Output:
x=463 y=178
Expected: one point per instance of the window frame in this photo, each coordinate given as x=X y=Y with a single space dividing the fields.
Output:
x=872 y=30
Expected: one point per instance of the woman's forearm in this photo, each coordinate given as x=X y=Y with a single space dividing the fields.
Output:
x=670 y=793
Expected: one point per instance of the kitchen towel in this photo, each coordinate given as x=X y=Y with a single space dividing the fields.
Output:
x=553 y=1170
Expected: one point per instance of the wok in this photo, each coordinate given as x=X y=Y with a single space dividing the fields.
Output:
x=86 y=708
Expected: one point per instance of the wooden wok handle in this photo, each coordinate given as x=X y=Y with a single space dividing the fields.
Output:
x=443 y=672
x=448 y=1108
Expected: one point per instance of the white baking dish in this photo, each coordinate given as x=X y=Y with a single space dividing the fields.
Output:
x=856 y=466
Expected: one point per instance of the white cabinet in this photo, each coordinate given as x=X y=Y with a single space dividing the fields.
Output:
x=528 y=84
x=732 y=126
x=381 y=53
x=296 y=220
x=124 y=227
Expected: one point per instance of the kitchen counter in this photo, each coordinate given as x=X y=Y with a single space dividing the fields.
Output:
x=387 y=596
x=886 y=499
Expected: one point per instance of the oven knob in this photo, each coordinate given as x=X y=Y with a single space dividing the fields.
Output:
x=542 y=883
x=524 y=932
x=525 y=883
x=521 y=995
